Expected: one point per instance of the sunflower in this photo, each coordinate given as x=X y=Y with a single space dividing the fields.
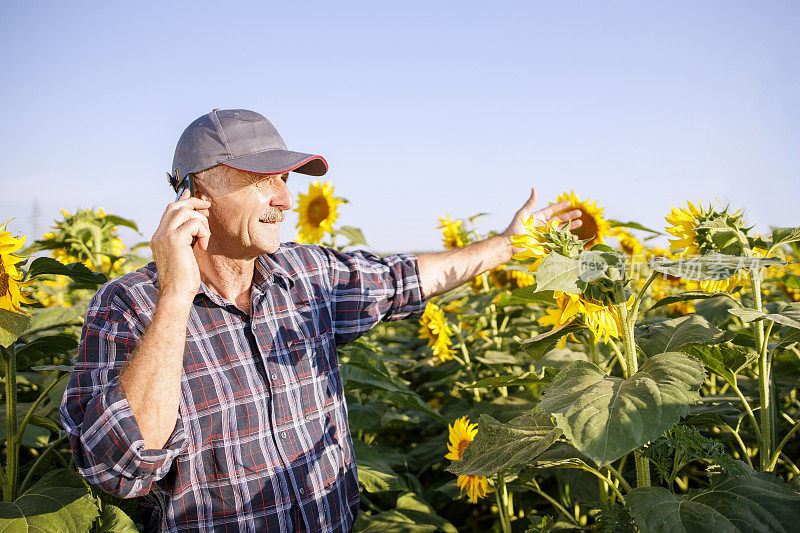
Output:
x=535 y=241
x=461 y=434
x=594 y=227
x=600 y=319
x=434 y=327
x=684 y=222
x=10 y=278
x=75 y=240
x=454 y=236
x=317 y=211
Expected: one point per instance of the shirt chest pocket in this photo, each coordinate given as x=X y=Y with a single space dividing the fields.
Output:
x=313 y=381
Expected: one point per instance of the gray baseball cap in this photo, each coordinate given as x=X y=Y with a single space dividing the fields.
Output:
x=239 y=139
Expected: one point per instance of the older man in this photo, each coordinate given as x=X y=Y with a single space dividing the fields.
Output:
x=208 y=381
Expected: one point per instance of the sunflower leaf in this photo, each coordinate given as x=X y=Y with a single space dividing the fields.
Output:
x=543 y=343
x=355 y=235
x=710 y=266
x=506 y=447
x=77 y=271
x=788 y=315
x=58 y=502
x=526 y=295
x=120 y=221
x=558 y=273
x=685 y=296
x=12 y=325
x=675 y=333
x=632 y=225
x=724 y=361
x=506 y=381
x=607 y=417
x=743 y=500
x=781 y=236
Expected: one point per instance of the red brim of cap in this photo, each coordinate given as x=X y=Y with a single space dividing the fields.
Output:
x=279 y=162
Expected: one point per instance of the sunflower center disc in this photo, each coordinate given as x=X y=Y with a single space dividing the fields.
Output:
x=318 y=211
x=588 y=229
x=4 y=284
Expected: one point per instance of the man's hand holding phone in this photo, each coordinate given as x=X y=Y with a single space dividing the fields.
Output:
x=184 y=220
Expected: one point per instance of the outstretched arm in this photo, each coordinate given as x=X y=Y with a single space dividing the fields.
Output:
x=446 y=270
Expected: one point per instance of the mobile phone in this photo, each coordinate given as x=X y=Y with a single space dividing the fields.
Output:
x=187 y=183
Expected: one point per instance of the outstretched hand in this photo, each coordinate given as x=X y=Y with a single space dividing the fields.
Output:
x=542 y=215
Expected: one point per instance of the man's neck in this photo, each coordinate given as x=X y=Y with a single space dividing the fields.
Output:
x=229 y=278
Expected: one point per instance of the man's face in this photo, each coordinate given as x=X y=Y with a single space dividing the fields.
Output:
x=246 y=212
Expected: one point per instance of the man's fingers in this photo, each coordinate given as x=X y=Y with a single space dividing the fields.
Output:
x=192 y=202
x=174 y=220
x=570 y=215
x=195 y=228
x=575 y=224
x=555 y=208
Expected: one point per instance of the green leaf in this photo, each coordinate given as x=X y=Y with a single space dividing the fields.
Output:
x=492 y=357
x=44 y=422
x=374 y=473
x=788 y=315
x=12 y=325
x=675 y=333
x=52 y=318
x=77 y=271
x=744 y=501
x=46 y=346
x=505 y=381
x=606 y=417
x=710 y=266
x=394 y=521
x=632 y=225
x=365 y=417
x=781 y=236
x=543 y=343
x=506 y=447
x=721 y=360
x=57 y=503
x=526 y=295
x=114 y=520
x=355 y=235
x=119 y=221
x=413 y=506
x=686 y=296
x=558 y=273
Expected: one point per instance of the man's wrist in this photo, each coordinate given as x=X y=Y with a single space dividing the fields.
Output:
x=504 y=242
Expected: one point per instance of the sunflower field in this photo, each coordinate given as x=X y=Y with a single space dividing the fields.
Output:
x=594 y=382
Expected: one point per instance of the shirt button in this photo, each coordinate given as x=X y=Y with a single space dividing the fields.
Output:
x=274 y=377
x=284 y=435
x=301 y=491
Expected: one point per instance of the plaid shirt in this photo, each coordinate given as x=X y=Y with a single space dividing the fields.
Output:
x=262 y=441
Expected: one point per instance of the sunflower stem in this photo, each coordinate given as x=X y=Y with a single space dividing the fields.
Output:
x=502 y=502
x=640 y=295
x=12 y=444
x=625 y=326
x=764 y=389
x=492 y=308
x=626 y=323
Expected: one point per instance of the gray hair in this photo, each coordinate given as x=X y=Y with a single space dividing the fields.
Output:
x=213 y=178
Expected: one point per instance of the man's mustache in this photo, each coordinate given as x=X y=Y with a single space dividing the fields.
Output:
x=274 y=215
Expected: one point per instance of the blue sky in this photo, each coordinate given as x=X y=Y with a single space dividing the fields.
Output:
x=420 y=108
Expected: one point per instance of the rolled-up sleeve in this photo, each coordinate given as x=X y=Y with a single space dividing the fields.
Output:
x=106 y=440
x=367 y=288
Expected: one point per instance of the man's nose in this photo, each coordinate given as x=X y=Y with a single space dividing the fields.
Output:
x=283 y=199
